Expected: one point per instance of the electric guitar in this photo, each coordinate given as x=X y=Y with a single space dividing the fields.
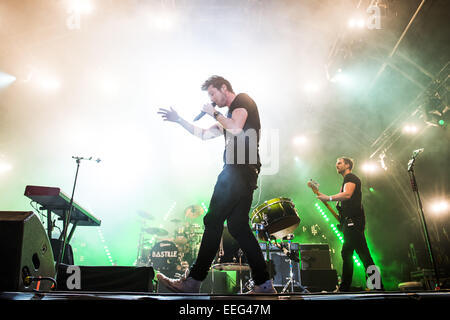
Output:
x=315 y=188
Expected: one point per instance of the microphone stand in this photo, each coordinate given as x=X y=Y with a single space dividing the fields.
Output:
x=415 y=189
x=67 y=216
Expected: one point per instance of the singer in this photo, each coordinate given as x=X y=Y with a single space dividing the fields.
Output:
x=352 y=220
x=233 y=193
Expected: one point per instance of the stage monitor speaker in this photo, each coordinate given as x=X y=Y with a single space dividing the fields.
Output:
x=25 y=250
x=319 y=280
x=315 y=256
x=105 y=278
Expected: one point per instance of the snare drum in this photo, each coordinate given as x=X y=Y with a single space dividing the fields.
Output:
x=278 y=217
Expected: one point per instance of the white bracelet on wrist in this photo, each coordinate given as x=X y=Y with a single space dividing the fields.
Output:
x=331 y=199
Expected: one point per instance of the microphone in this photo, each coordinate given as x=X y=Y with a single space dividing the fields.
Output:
x=90 y=158
x=412 y=160
x=417 y=152
x=201 y=114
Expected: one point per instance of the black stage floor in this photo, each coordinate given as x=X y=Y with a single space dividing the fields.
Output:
x=168 y=306
x=443 y=295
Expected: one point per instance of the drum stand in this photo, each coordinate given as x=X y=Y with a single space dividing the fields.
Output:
x=259 y=227
x=240 y=254
x=290 y=279
x=217 y=266
x=291 y=282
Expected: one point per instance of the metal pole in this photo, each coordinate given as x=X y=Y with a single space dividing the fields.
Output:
x=67 y=222
x=398 y=43
x=424 y=224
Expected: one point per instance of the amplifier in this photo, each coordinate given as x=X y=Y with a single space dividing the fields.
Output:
x=279 y=267
x=315 y=256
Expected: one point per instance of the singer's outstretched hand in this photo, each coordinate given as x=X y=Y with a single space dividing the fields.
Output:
x=169 y=115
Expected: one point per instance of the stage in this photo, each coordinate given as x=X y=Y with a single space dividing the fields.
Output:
x=443 y=295
x=114 y=166
x=203 y=306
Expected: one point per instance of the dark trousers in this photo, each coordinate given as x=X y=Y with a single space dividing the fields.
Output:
x=231 y=201
x=354 y=240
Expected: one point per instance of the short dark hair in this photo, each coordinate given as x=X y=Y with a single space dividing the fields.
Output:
x=348 y=161
x=217 y=82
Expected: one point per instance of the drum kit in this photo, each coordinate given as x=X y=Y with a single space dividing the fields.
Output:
x=168 y=253
x=275 y=219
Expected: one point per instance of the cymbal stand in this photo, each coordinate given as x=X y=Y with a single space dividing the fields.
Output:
x=220 y=254
x=260 y=227
x=139 y=257
x=240 y=254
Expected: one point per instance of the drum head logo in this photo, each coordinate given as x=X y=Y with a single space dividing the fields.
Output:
x=164 y=254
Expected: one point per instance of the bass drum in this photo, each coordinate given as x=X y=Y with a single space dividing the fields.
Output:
x=165 y=258
x=278 y=216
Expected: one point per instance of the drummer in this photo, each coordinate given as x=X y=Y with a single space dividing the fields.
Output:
x=233 y=192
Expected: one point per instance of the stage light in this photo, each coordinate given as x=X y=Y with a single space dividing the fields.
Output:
x=205 y=209
x=342 y=78
x=369 y=167
x=6 y=79
x=371 y=189
x=439 y=207
x=410 y=129
x=356 y=23
x=105 y=247
x=300 y=141
x=382 y=162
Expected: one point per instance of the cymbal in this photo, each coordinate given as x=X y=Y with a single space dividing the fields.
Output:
x=156 y=231
x=175 y=220
x=145 y=215
x=231 y=267
x=193 y=211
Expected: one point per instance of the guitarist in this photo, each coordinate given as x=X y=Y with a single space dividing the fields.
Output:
x=352 y=220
